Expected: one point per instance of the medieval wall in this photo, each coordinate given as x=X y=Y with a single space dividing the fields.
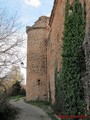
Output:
x=55 y=39
x=86 y=76
x=37 y=60
x=44 y=52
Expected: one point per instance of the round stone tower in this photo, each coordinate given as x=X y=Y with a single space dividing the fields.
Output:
x=36 y=84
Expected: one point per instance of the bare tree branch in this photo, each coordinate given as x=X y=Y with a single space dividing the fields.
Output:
x=11 y=41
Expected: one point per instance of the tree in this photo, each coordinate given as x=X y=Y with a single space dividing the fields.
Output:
x=15 y=74
x=73 y=62
x=11 y=39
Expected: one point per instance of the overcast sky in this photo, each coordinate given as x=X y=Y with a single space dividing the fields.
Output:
x=28 y=10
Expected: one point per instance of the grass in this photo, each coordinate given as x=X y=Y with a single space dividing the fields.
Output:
x=38 y=103
x=16 y=98
x=52 y=116
x=45 y=105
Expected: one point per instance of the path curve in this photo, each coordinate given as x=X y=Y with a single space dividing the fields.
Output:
x=29 y=112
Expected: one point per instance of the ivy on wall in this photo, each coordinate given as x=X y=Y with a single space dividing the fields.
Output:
x=69 y=86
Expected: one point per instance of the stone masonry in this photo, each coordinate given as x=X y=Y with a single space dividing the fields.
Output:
x=55 y=39
x=45 y=39
x=86 y=76
x=37 y=60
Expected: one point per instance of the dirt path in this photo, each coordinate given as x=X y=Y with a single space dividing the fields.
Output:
x=30 y=112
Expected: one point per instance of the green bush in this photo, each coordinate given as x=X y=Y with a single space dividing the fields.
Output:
x=7 y=111
x=17 y=89
x=22 y=92
x=58 y=105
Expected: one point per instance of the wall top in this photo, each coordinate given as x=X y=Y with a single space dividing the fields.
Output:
x=42 y=22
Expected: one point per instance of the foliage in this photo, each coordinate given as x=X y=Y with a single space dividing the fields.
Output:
x=16 y=98
x=11 y=40
x=7 y=111
x=52 y=116
x=73 y=63
x=39 y=103
x=17 y=89
x=22 y=92
x=15 y=74
x=58 y=105
x=45 y=105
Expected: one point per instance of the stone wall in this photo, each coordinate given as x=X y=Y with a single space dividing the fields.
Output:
x=55 y=39
x=86 y=76
x=37 y=60
x=44 y=52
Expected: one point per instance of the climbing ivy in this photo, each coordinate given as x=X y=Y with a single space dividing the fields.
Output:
x=73 y=62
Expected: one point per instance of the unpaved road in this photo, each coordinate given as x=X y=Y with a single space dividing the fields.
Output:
x=29 y=112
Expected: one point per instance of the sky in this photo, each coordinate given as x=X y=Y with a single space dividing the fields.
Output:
x=28 y=10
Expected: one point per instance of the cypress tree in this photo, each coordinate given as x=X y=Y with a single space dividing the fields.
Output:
x=72 y=60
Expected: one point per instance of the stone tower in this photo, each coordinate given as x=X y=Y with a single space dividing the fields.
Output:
x=37 y=60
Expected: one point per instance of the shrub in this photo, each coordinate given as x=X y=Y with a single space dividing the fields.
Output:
x=22 y=92
x=17 y=89
x=7 y=111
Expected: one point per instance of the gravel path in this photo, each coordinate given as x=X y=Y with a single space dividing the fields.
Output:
x=29 y=112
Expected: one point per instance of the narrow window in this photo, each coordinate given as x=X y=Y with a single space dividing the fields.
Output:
x=38 y=82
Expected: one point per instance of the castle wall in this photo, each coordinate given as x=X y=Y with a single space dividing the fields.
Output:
x=55 y=39
x=37 y=61
x=44 y=52
x=57 y=26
